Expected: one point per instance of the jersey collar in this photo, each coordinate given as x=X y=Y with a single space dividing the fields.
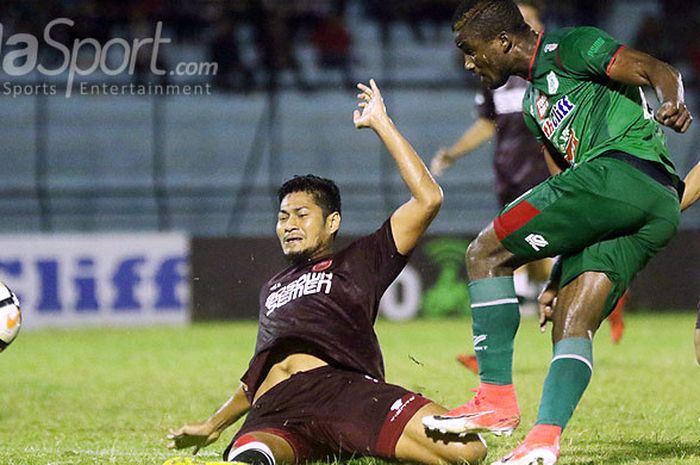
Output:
x=534 y=55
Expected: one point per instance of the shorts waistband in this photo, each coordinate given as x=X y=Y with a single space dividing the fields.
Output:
x=654 y=170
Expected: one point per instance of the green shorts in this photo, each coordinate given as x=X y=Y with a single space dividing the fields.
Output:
x=602 y=215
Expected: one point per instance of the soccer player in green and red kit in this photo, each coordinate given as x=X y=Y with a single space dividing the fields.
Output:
x=614 y=205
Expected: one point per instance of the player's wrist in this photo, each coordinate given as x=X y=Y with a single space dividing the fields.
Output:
x=449 y=155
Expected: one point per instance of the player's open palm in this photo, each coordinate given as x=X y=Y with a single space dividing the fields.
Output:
x=195 y=435
x=372 y=110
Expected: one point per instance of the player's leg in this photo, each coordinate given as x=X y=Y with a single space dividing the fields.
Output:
x=528 y=280
x=592 y=281
x=581 y=306
x=264 y=447
x=495 y=321
x=419 y=445
x=546 y=221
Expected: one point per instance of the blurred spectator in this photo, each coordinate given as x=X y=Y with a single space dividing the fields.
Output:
x=224 y=50
x=651 y=37
x=276 y=46
x=333 y=45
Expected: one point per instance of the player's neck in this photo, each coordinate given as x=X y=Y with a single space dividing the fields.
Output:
x=524 y=50
x=322 y=252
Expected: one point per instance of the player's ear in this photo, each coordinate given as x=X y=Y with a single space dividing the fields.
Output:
x=333 y=222
x=505 y=41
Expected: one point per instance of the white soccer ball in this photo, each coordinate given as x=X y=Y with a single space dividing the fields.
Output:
x=10 y=316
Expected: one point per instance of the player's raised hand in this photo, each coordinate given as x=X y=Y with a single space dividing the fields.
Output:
x=372 y=110
x=675 y=115
x=196 y=434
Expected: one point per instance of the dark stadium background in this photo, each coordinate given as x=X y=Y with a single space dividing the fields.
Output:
x=89 y=179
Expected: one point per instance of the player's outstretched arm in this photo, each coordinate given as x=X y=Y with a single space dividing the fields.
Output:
x=481 y=131
x=637 y=68
x=692 y=188
x=410 y=220
x=202 y=434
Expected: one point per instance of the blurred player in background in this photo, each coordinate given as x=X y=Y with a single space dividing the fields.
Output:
x=614 y=205
x=690 y=196
x=519 y=165
x=315 y=385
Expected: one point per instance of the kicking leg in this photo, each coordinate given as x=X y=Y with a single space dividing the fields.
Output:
x=495 y=321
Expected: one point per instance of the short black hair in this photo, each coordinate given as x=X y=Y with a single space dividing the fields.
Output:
x=325 y=191
x=488 y=18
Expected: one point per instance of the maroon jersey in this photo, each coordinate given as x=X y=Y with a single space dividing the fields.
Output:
x=518 y=159
x=327 y=308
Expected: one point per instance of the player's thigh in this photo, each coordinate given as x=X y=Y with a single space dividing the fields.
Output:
x=619 y=259
x=567 y=213
x=416 y=444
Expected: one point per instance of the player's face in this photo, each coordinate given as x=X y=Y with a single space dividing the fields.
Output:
x=302 y=230
x=485 y=58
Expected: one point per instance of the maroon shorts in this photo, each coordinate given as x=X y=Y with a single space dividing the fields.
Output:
x=697 y=322
x=333 y=413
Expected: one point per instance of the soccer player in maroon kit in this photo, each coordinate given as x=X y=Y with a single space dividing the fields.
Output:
x=315 y=386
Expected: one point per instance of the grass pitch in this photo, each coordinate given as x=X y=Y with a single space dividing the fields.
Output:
x=101 y=396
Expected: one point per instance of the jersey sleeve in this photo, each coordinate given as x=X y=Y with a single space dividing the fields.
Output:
x=587 y=51
x=533 y=127
x=484 y=104
x=380 y=261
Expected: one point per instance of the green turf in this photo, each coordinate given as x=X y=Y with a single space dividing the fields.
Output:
x=109 y=396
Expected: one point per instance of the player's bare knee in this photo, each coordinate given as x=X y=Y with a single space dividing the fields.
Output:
x=484 y=256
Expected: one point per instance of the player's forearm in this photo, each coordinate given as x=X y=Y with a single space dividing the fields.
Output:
x=233 y=409
x=692 y=188
x=473 y=138
x=411 y=168
x=637 y=68
x=667 y=83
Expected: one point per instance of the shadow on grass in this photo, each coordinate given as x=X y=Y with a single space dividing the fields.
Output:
x=633 y=451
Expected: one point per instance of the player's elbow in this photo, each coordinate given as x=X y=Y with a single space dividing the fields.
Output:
x=434 y=199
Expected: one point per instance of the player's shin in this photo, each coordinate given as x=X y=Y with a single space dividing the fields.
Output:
x=569 y=374
x=495 y=321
